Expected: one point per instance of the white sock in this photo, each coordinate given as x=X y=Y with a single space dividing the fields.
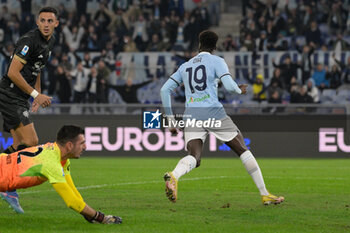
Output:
x=254 y=171
x=185 y=165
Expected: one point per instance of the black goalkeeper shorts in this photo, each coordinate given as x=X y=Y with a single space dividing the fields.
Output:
x=14 y=112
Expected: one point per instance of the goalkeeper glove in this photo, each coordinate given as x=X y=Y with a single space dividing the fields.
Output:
x=110 y=219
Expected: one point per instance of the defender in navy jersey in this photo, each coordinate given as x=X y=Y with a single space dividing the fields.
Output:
x=200 y=77
x=22 y=81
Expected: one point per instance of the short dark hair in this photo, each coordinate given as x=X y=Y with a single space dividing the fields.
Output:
x=68 y=133
x=207 y=40
x=49 y=9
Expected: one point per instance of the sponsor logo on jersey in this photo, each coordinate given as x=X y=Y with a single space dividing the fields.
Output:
x=25 y=50
x=192 y=100
x=40 y=56
x=38 y=66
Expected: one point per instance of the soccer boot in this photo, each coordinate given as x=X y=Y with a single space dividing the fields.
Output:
x=271 y=199
x=170 y=186
x=12 y=199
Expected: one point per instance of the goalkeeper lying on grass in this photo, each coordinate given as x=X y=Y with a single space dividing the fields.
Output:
x=35 y=165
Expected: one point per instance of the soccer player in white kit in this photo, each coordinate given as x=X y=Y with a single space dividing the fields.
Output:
x=200 y=76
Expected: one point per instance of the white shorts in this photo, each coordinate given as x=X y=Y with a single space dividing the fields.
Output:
x=225 y=133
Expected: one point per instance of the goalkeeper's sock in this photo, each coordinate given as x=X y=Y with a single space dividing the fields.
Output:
x=185 y=165
x=254 y=171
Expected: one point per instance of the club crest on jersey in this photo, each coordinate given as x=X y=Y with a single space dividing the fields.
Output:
x=25 y=50
x=26 y=114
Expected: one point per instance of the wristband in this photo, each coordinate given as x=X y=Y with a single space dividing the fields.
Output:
x=34 y=93
x=99 y=217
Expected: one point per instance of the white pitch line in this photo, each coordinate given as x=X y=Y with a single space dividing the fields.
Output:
x=308 y=168
x=129 y=183
x=187 y=179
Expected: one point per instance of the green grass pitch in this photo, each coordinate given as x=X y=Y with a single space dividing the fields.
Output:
x=217 y=197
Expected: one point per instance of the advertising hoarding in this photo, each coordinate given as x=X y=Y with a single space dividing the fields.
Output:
x=267 y=136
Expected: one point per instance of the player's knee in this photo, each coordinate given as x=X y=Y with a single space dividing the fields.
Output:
x=238 y=147
x=240 y=151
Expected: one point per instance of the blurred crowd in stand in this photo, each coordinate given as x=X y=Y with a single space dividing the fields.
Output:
x=115 y=26
x=88 y=42
x=300 y=25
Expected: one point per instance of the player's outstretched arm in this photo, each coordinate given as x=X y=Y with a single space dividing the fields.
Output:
x=94 y=216
x=77 y=204
x=72 y=186
x=230 y=85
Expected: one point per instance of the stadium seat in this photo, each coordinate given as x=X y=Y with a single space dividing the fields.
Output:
x=344 y=87
x=327 y=102
x=344 y=93
x=301 y=40
x=347 y=39
x=340 y=100
x=342 y=97
x=328 y=95
x=288 y=39
x=324 y=29
x=327 y=40
x=246 y=99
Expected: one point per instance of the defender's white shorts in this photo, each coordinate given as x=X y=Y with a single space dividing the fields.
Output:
x=225 y=133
